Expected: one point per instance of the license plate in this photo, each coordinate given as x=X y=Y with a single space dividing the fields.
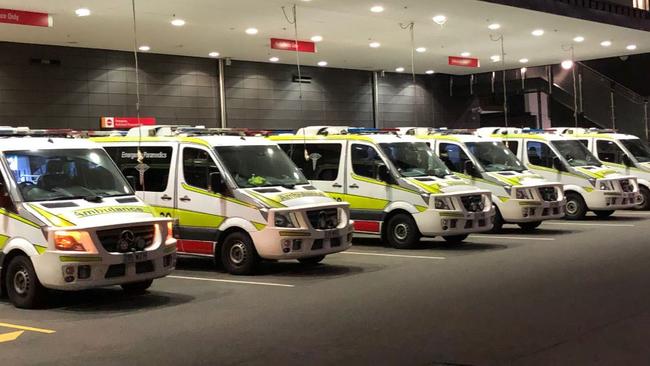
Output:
x=135 y=257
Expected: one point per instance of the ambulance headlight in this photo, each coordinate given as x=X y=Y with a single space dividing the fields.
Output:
x=70 y=240
x=441 y=204
x=606 y=186
x=523 y=194
x=426 y=197
x=283 y=220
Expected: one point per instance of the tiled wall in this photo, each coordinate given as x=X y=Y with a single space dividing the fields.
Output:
x=264 y=95
x=90 y=83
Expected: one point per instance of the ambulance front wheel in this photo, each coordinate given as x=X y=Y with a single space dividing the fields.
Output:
x=136 y=288
x=401 y=231
x=23 y=287
x=576 y=208
x=645 y=199
x=238 y=254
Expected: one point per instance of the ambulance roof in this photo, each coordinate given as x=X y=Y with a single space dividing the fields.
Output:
x=44 y=143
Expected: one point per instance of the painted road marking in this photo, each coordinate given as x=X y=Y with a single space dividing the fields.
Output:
x=21 y=327
x=392 y=255
x=12 y=336
x=474 y=236
x=231 y=281
x=588 y=224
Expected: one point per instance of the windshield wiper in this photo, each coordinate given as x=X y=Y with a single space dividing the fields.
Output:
x=94 y=199
x=61 y=198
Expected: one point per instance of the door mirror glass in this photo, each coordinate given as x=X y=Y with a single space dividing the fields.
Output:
x=217 y=184
x=470 y=169
x=627 y=161
x=557 y=164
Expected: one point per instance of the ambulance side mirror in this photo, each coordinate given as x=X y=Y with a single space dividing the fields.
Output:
x=557 y=164
x=627 y=161
x=217 y=184
x=383 y=174
x=5 y=200
x=470 y=169
x=131 y=180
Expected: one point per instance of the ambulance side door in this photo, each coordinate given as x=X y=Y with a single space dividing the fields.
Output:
x=155 y=179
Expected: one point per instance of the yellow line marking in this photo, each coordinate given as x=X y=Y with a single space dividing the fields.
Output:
x=393 y=255
x=8 y=337
x=231 y=281
x=21 y=327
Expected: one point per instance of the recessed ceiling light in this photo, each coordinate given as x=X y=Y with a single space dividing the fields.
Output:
x=606 y=43
x=537 y=32
x=465 y=54
x=322 y=63
x=494 y=26
x=377 y=9
x=144 y=48
x=251 y=31
x=274 y=59
x=178 y=22
x=316 y=38
x=399 y=69
x=631 y=47
x=579 y=39
x=213 y=54
x=374 y=44
x=523 y=60
x=429 y=72
x=495 y=58
x=421 y=49
x=440 y=19
x=82 y=12
x=567 y=64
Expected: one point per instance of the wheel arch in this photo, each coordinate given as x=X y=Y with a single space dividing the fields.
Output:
x=391 y=214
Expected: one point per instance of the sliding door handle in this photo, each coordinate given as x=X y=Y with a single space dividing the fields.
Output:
x=165 y=198
x=354 y=185
x=336 y=185
x=185 y=199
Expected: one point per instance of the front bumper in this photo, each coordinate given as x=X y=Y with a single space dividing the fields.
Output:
x=433 y=222
x=520 y=211
x=611 y=200
x=295 y=243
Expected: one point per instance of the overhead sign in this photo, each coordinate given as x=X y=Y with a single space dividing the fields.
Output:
x=127 y=122
x=10 y=16
x=292 y=45
x=464 y=61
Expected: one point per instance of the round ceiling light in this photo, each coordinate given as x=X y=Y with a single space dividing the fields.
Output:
x=316 y=38
x=537 y=32
x=374 y=45
x=465 y=54
x=399 y=69
x=523 y=60
x=495 y=58
x=631 y=47
x=606 y=43
x=82 y=12
x=494 y=26
x=178 y=22
x=322 y=63
x=251 y=31
x=274 y=59
x=213 y=54
x=579 y=39
x=421 y=49
x=144 y=48
x=440 y=19
x=377 y=9
x=567 y=64
x=429 y=72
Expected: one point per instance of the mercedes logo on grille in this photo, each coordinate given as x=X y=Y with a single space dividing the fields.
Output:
x=127 y=239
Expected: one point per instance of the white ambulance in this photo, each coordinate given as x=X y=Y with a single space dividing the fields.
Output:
x=70 y=221
x=396 y=186
x=521 y=197
x=627 y=154
x=588 y=185
x=237 y=199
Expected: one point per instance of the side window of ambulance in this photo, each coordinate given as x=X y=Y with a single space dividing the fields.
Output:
x=609 y=151
x=323 y=163
x=540 y=154
x=513 y=146
x=453 y=156
x=197 y=166
x=365 y=160
x=158 y=158
x=584 y=142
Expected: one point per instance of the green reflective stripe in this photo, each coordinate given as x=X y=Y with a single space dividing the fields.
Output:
x=380 y=183
x=503 y=198
x=18 y=218
x=40 y=248
x=621 y=166
x=451 y=214
x=72 y=258
x=269 y=202
x=474 y=179
x=216 y=195
x=421 y=208
x=360 y=202
x=530 y=203
x=588 y=189
x=259 y=226
x=537 y=167
x=430 y=188
x=198 y=219
x=56 y=220
x=3 y=241
x=596 y=174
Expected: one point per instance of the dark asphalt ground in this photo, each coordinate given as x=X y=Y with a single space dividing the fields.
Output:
x=572 y=293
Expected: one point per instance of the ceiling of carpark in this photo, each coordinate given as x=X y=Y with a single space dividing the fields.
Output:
x=347 y=28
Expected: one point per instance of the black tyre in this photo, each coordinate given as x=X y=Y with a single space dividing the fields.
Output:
x=455 y=239
x=137 y=288
x=529 y=226
x=498 y=221
x=238 y=254
x=576 y=208
x=311 y=260
x=645 y=199
x=604 y=213
x=23 y=287
x=401 y=232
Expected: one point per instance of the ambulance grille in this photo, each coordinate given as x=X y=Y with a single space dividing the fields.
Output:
x=473 y=203
x=325 y=219
x=126 y=239
x=626 y=185
x=548 y=193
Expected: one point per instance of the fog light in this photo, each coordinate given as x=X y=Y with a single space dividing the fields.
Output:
x=297 y=244
x=69 y=278
x=69 y=270
x=83 y=272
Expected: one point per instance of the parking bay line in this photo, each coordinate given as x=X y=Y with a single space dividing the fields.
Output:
x=231 y=281
x=587 y=224
x=393 y=255
x=475 y=236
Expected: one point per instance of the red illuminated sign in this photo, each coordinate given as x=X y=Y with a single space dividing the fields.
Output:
x=464 y=61
x=126 y=122
x=10 y=16
x=291 y=45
